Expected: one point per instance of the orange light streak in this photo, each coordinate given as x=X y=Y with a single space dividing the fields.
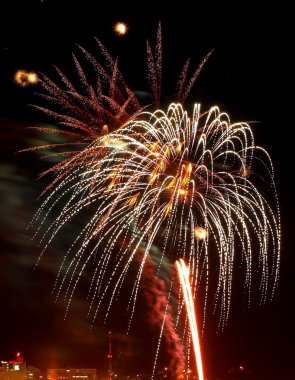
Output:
x=183 y=272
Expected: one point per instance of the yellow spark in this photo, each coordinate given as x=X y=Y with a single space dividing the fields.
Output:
x=182 y=192
x=121 y=28
x=32 y=78
x=178 y=148
x=185 y=180
x=168 y=209
x=106 y=142
x=154 y=146
x=111 y=184
x=153 y=175
x=170 y=184
x=200 y=233
x=132 y=201
x=114 y=178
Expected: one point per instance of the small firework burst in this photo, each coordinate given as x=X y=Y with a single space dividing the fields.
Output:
x=120 y=28
x=32 y=78
x=24 y=78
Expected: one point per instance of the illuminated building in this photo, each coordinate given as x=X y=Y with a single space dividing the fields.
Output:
x=33 y=373
x=71 y=374
x=13 y=369
x=18 y=370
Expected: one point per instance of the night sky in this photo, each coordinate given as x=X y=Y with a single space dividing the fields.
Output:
x=249 y=75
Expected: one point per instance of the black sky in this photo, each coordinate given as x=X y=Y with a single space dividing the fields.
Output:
x=249 y=75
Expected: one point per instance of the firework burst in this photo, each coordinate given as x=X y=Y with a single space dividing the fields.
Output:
x=86 y=112
x=190 y=183
x=184 y=184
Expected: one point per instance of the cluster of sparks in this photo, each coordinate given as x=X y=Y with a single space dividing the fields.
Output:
x=188 y=183
x=24 y=78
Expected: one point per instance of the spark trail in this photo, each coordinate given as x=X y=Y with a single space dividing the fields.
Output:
x=158 y=301
x=184 y=274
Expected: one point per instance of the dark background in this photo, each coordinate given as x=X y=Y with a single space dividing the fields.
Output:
x=249 y=75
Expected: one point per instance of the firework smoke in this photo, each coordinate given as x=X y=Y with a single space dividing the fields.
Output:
x=160 y=313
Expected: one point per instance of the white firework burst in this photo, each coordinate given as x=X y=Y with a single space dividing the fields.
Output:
x=190 y=185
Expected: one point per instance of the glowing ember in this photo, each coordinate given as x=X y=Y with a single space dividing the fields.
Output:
x=32 y=77
x=120 y=28
x=200 y=233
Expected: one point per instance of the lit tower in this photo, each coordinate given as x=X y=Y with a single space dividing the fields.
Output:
x=19 y=358
x=110 y=357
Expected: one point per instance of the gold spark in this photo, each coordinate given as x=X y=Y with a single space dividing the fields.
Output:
x=120 y=28
x=200 y=233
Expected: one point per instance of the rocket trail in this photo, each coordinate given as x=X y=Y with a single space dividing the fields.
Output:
x=183 y=272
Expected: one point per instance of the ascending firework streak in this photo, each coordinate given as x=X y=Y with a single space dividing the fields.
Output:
x=183 y=272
